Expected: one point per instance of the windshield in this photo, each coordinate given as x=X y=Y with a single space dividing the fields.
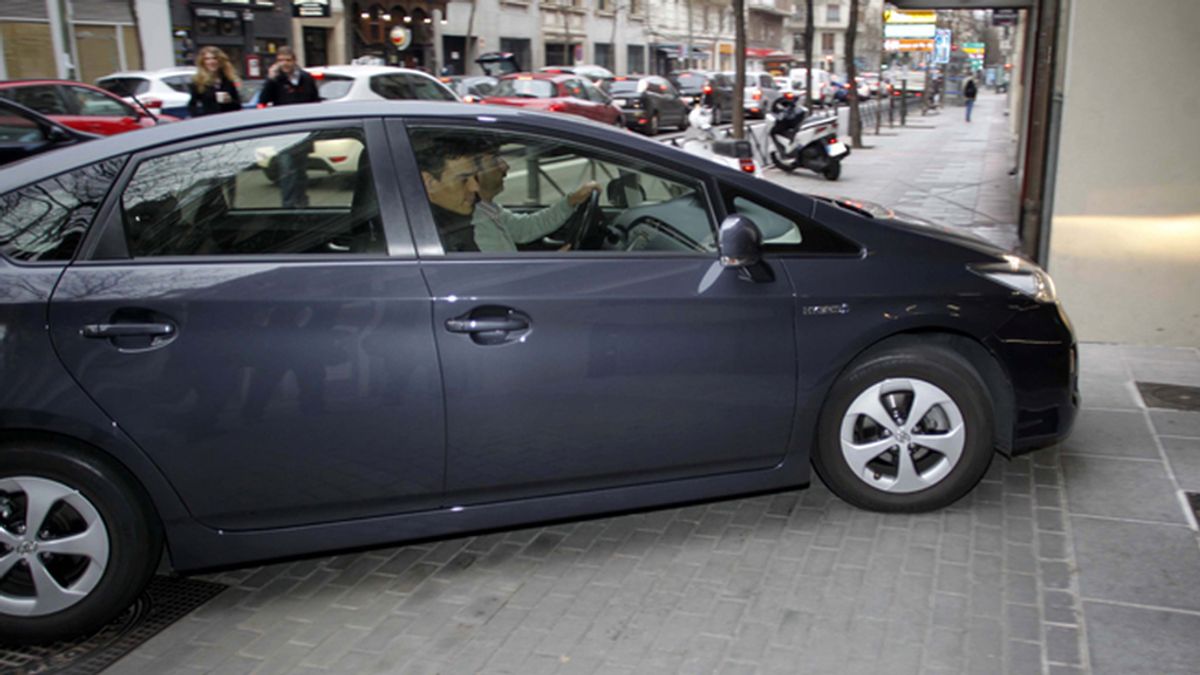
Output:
x=515 y=88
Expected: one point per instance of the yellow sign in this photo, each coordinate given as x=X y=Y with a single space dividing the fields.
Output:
x=725 y=48
x=907 y=45
x=909 y=16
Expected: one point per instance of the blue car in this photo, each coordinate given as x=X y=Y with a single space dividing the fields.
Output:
x=497 y=317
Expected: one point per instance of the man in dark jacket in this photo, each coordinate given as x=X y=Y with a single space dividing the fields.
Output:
x=287 y=84
x=969 y=93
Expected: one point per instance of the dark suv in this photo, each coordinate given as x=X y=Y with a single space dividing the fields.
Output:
x=648 y=102
x=714 y=89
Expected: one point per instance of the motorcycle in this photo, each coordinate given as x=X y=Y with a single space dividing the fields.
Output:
x=702 y=138
x=792 y=141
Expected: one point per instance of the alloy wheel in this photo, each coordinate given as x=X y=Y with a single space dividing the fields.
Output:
x=54 y=546
x=902 y=435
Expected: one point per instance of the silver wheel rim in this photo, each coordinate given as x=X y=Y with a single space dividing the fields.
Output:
x=55 y=554
x=902 y=435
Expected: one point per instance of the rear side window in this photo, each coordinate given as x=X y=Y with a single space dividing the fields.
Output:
x=332 y=87
x=178 y=82
x=409 y=88
x=125 y=86
x=43 y=99
x=45 y=222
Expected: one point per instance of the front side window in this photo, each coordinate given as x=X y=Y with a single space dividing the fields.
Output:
x=409 y=88
x=45 y=222
x=502 y=192
x=307 y=192
x=125 y=86
x=40 y=98
x=785 y=231
x=178 y=83
x=94 y=104
x=332 y=87
x=524 y=88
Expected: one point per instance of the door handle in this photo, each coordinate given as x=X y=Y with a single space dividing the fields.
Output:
x=118 y=330
x=484 y=325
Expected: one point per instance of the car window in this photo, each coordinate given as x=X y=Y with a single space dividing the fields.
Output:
x=40 y=98
x=521 y=88
x=19 y=128
x=179 y=83
x=593 y=92
x=46 y=221
x=503 y=192
x=94 y=104
x=574 y=89
x=125 y=86
x=690 y=80
x=294 y=193
x=332 y=87
x=405 y=87
x=622 y=86
x=783 y=230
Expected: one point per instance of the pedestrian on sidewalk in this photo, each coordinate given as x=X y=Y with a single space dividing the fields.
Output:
x=969 y=93
x=287 y=84
x=214 y=86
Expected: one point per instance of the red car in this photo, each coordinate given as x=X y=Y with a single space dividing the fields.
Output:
x=79 y=106
x=555 y=92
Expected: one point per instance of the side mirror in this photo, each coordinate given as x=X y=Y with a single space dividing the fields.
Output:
x=740 y=242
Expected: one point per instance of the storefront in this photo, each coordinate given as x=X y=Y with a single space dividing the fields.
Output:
x=402 y=35
x=319 y=28
x=100 y=38
x=249 y=31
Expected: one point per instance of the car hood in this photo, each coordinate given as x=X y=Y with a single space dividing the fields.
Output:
x=920 y=226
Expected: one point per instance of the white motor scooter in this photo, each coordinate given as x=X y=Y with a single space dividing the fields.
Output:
x=704 y=140
x=791 y=141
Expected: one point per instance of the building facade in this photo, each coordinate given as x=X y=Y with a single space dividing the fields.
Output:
x=249 y=31
x=831 y=22
x=81 y=39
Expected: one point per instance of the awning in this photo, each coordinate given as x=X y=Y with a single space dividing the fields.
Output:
x=766 y=52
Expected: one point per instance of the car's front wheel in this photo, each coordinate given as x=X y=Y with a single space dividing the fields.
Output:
x=77 y=543
x=906 y=428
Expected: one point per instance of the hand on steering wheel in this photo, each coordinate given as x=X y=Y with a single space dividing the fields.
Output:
x=580 y=222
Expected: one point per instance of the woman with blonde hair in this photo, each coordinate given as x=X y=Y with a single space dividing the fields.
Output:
x=214 y=87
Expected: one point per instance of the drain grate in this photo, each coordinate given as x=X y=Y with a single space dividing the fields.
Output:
x=165 y=601
x=1170 y=396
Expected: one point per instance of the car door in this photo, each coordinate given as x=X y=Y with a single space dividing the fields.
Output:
x=608 y=364
x=265 y=341
x=673 y=102
x=578 y=103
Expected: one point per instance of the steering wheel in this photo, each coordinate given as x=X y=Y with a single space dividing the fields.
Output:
x=577 y=226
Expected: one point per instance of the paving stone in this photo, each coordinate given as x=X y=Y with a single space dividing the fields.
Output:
x=1141 y=563
x=1119 y=488
x=1184 y=457
x=1129 y=640
x=1112 y=433
x=1169 y=423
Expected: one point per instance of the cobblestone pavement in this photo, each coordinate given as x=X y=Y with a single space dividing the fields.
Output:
x=1079 y=558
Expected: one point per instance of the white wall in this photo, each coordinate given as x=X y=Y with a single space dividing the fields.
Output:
x=154 y=26
x=1125 y=235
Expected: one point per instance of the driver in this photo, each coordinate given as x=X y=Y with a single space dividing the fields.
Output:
x=499 y=229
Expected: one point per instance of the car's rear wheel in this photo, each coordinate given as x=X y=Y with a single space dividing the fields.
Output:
x=906 y=428
x=652 y=128
x=77 y=542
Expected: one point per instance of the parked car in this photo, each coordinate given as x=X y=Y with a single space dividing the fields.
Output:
x=596 y=74
x=25 y=132
x=759 y=93
x=378 y=83
x=165 y=90
x=202 y=368
x=707 y=88
x=548 y=92
x=80 y=106
x=822 y=84
x=648 y=102
x=470 y=88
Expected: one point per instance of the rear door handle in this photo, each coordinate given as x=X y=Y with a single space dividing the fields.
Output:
x=117 y=330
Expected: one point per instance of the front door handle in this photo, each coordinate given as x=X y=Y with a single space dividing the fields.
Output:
x=118 y=330
x=491 y=325
x=469 y=325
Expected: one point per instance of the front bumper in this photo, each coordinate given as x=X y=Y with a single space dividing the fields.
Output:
x=1038 y=350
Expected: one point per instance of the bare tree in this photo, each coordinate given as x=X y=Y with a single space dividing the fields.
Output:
x=469 y=41
x=852 y=78
x=739 y=80
x=809 y=33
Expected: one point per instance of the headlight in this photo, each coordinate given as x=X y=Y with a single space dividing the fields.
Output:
x=1020 y=275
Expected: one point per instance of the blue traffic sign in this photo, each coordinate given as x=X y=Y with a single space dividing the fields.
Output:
x=941 y=46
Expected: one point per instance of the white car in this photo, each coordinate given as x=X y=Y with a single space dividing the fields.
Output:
x=332 y=156
x=378 y=83
x=165 y=89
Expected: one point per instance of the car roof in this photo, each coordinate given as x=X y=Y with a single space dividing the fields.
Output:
x=150 y=74
x=366 y=71
x=52 y=163
x=553 y=77
x=12 y=84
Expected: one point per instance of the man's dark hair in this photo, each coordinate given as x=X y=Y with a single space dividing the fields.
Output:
x=285 y=51
x=433 y=149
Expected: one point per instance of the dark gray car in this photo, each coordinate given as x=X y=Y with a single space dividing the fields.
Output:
x=460 y=334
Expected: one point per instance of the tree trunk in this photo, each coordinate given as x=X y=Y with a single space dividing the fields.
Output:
x=809 y=33
x=469 y=41
x=739 y=80
x=852 y=77
x=688 y=61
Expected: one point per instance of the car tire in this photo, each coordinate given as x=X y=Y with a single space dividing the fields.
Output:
x=716 y=115
x=905 y=463
x=684 y=122
x=115 y=542
x=652 y=128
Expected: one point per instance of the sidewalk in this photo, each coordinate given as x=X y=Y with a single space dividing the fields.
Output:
x=937 y=167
